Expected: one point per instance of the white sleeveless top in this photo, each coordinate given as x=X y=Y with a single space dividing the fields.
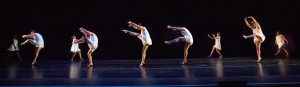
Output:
x=218 y=43
x=258 y=32
x=188 y=36
x=279 y=40
x=12 y=47
x=75 y=46
x=145 y=36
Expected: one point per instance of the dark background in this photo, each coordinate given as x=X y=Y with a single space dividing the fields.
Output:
x=58 y=20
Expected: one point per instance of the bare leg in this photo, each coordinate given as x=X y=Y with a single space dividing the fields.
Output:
x=249 y=36
x=278 y=51
x=258 y=45
x=8 y=55
x=130 y=32
x=219 y=52
x=212 y=51
x=175 y=40
x=74 y=54
x=186 y=52
x=286 y=52
x=19 y=56
x=90 y=57
x=144 y=51
x=37 y=51
x=79 y=53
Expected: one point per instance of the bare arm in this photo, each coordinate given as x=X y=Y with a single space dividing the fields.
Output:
x=136 y=26
x=84 y=31
x=247 y=23
x=256 y=23
x=210 y=36
x=176 y=28
x=285 y=40
x=28 y=36
x=81 y=40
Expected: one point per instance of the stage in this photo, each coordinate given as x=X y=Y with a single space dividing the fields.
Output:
x=205 y=72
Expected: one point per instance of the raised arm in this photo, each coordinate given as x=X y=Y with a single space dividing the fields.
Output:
x=247 y=23
x=255 y=22
x=210 y=36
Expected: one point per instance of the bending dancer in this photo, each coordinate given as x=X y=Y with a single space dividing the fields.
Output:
x=187 y=38
x=37 y=40
x=92 y=41
x=144 y=36
x=14 y=48
x=217 y=45
x=281 y=42
x=75 y=48
x=258 y=36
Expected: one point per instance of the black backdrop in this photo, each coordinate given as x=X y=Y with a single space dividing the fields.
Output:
x=58 y=20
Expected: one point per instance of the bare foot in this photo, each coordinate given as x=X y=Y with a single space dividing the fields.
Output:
x=220 y=57
x=259 y=60
x=245 y=36
x=90 y=65
x=167 y=42
x=184 y=62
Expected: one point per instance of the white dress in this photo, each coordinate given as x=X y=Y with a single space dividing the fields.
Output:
x=14 y=46
x=75 y=46
x=93 y=42
x=218 y=43
x=188 y=36
x=145 y=37
x=280 y=41
x=38 y=41
x=258 y=35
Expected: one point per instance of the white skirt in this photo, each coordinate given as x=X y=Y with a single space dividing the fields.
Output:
x=75 y=48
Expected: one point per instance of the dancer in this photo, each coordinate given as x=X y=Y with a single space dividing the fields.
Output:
x=92 y=41
x=258 y=36
x=37 y=40
x=14 y=48
x=217 y=45
x=281 y=42
x=75 y=48
x=187 y=38
x=144 y=36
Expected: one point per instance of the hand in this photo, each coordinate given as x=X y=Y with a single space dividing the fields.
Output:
x=169 y=26
x=125 y=31
x=245 y=36
x=24 y=36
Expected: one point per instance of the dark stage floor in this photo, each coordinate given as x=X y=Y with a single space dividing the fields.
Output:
x=206 y=72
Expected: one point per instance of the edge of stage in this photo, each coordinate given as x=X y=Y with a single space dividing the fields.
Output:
x=205 y=72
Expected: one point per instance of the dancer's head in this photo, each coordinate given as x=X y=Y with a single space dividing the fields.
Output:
x=218 y=34
x=73 y=37
x=278 y=32
x=33 y=31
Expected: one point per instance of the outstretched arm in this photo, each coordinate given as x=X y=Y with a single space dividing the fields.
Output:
x=130 y=32
x=81 y=40
x=210 y=36
x=28 y=36
x=84 y=31
x=135 y=26
x=255 y=22
x=176 y=28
